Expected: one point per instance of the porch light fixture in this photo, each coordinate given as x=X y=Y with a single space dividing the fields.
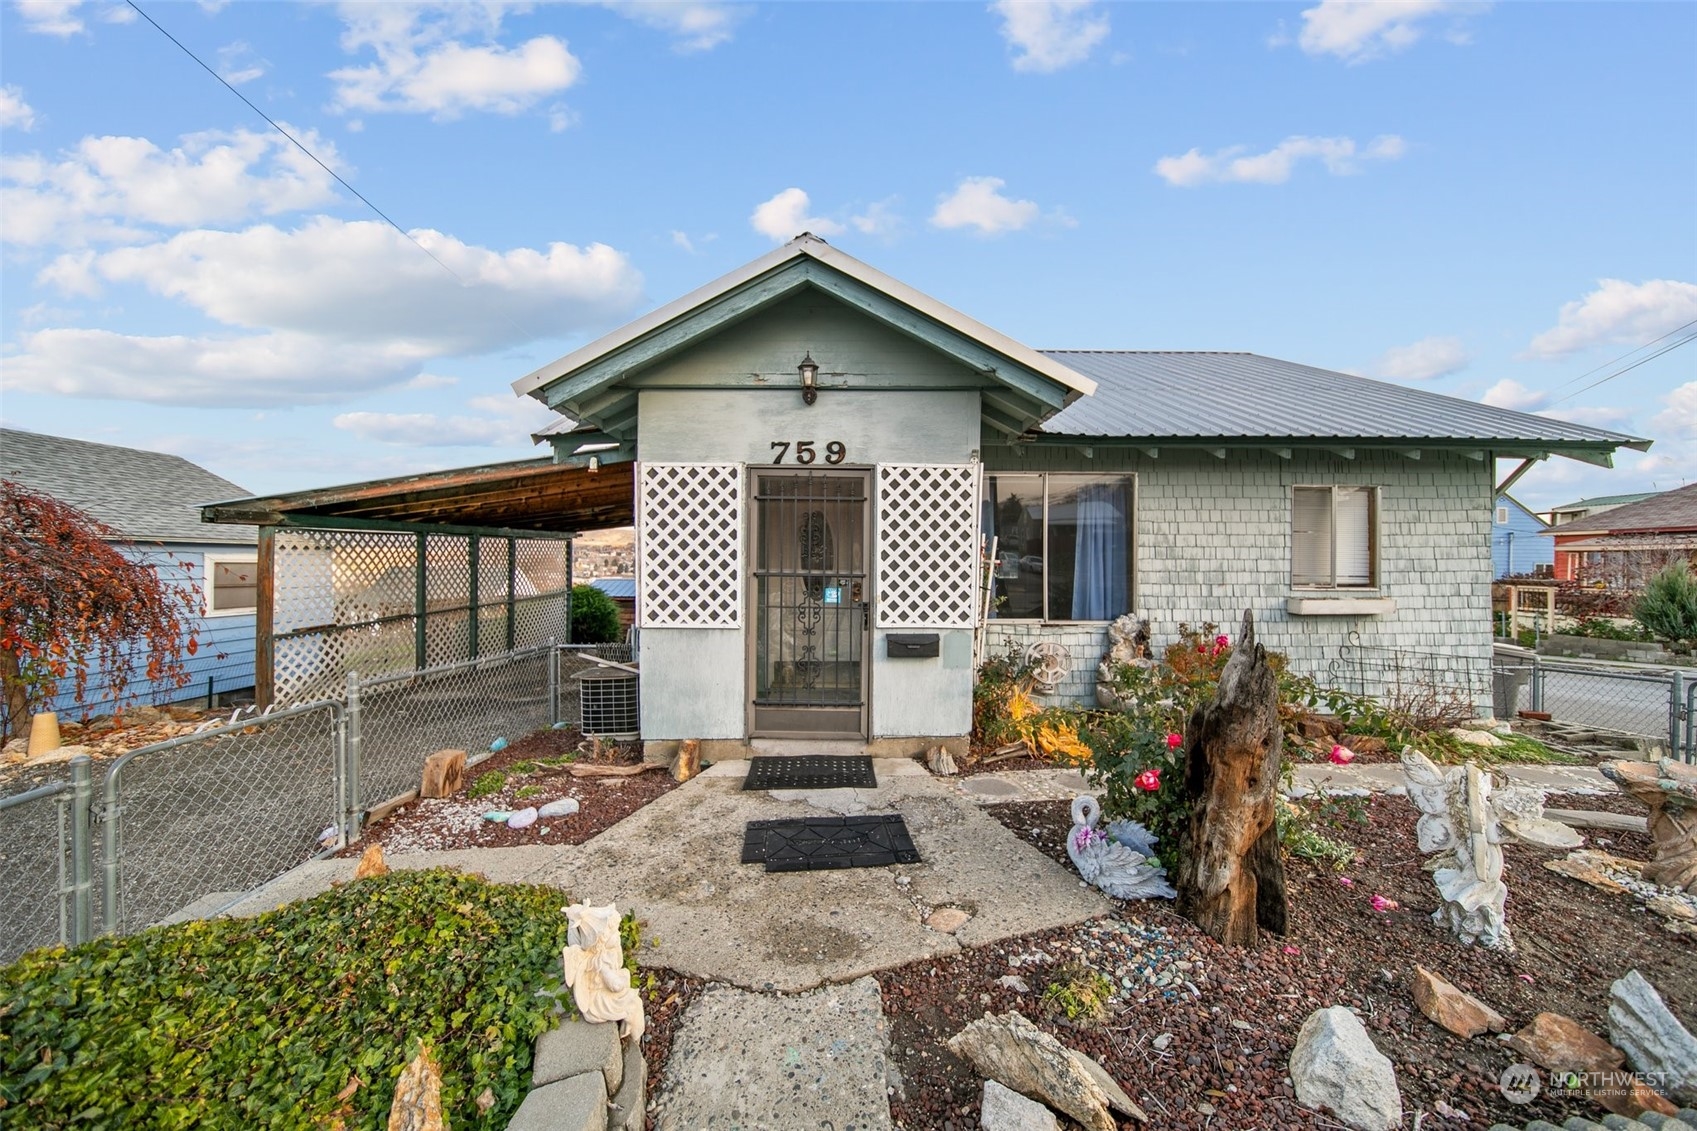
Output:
x=809 y=370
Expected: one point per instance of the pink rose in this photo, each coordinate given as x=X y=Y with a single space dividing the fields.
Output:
x=1380 y=903
x=1222 y=642
x=1342 y=755
x=1149 y=780
x=1174 y=741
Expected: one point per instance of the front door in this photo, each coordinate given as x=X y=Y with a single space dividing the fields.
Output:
x=811 y=594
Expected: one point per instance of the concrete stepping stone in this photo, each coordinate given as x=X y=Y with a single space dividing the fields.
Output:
x=745 y=1059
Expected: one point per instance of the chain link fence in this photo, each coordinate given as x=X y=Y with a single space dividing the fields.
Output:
x=189 y=826
x=1652 y=706
x=35 y=876
x=199 y=820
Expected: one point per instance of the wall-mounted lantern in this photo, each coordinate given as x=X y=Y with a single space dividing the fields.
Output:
x=809 y=370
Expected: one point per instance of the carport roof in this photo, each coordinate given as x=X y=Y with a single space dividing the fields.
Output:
x=525 y=496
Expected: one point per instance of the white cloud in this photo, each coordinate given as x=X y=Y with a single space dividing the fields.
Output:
x=15 y=113
x=210 y=370
x=978 y=203
x=1358 y=30
x=561 y=118
x=1051 y=35
x=693 y=26
x=880 y=219
x=238 y=63
x=786 y=216
x=1597 y=416
x=1618 y=311
x=682 y=240
x=431 y=381
x=107 y=186
x=119 y=14
x=499 y=422
x=1423 y=360
x=1511 y=394
x=336 y=308
x=1340 y=155
x=51 y=17
x=1679 y=419
x=423 y=67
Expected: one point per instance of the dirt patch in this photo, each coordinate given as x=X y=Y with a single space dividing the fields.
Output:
x=534 y=767
x=664 y=1001
x=1227 y=1042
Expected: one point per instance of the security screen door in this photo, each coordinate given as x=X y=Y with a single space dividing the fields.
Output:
x=811 y=597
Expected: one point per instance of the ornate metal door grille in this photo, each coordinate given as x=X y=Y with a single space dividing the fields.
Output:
x=811 y=603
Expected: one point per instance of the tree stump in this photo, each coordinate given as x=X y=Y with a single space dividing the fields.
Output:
x=444 y=774
x=1231 y=876
x=1668 y=789
x=688 y=762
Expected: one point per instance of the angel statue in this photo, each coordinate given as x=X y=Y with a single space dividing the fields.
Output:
x=595 y=969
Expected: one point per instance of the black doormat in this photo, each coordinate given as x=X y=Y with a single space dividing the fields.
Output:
x=814 y=771
x=814 y=843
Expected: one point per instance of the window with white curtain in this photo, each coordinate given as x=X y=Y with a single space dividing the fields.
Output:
x=1334 y=537
x=1065 y=545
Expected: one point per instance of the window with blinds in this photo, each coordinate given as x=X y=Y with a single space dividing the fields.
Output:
x=1334 y=537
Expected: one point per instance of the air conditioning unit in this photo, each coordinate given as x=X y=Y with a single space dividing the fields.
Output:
x=608 y=704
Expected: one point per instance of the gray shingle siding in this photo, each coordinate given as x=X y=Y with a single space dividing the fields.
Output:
x=1213 y=538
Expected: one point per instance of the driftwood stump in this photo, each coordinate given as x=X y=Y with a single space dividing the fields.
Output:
x=444 y=774
x=1231 y=878
x=1668 y=789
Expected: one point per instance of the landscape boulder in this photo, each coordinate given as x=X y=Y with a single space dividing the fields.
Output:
x=1562 y=1044
x=1003 y=1109
x=1652 y=1038
x=1010 y=1049
x=1460 y=1013
x=1336 y=1067
x=418 y=1096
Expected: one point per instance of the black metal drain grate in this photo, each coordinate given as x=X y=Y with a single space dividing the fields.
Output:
x=815 y=843
x=812 y=771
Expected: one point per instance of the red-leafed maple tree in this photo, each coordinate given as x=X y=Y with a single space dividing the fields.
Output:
x=73 y=605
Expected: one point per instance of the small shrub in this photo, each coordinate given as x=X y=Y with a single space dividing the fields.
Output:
x=526 y=792
x=522 y=768
x=595 y=619
x=301 y=1017
x=1000 y=678
x=1302 y=823
x=486 y=784
x=1668 y=608
x=1079 y=992
x=1602 y=628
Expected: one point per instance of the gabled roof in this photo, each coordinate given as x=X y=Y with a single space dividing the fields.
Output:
x=1669 y=511
x=1604 y=501
x=1505 y=497
x=578 y=383
x=145 y=496
x=1149 y=396
x=619 y=588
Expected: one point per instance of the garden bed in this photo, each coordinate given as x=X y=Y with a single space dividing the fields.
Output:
x=532 y=771
x=1224 y=1060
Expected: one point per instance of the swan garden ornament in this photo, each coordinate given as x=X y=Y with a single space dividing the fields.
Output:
x=1118 y=859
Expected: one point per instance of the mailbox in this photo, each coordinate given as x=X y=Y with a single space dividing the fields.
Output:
x=911 y=645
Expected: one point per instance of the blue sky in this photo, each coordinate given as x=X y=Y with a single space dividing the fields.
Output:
x=1488 y=201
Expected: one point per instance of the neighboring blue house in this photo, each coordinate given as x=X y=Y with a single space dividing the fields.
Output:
x=1520 y=541
x=154 y=501
x=622 y=591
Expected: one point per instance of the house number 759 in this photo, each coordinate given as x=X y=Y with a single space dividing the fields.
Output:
x=806 y=451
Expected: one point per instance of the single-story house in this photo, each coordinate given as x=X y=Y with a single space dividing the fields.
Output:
x=622 y=592
x=1567 y=565
x=840 y=480
x=1518 y=543
x=152 y=500
x=1625 y=544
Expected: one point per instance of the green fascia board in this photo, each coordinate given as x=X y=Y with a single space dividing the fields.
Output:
x=569 y=394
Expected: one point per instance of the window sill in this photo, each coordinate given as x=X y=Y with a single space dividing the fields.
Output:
x=1339 y=606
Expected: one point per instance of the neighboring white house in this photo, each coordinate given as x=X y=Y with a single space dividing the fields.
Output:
x=824 y=454
x=153 y=501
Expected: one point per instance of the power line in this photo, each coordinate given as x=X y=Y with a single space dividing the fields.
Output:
x=1623 y=356
x=297 y=143
x=1669 y=348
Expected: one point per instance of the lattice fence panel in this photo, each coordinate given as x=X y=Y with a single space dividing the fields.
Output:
x=543 y=567
x=927 y=545
x=690 y=518
x=537 y=619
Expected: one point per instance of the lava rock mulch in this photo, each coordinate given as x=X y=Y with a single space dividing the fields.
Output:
x=1201 y=1035
x=440 y=823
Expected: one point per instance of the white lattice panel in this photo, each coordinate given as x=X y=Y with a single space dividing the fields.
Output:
x=689 y=539
x=927 y=545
